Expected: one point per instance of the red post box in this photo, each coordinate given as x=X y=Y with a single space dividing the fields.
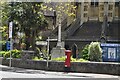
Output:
x=67 y=60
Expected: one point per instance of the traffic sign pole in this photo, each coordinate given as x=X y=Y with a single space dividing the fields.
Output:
x=47 y=50
x=10 y=36
x=48 y=46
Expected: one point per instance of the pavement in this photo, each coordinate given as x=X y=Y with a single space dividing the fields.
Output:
x=50 y=74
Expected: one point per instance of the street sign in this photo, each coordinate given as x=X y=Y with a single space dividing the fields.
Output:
x=41 y=43
x=45 y=42
x=10 y=29
x=8 y=45
x=52 y=39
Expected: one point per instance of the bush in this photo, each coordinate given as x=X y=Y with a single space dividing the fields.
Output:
x=15 y=53
x=78 y=60
x=72 y=59
x=95 y=52
x=7 y=54
x=59 y=59
x=2 y=53
x=85 y=52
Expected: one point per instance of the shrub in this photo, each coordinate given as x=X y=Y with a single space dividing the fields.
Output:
x=72 y=59
x=15 y=54
x=2 y=53
x=7 y=54
x=59 y=59
x=78 y=60
x=85 y=52
x=95 y=52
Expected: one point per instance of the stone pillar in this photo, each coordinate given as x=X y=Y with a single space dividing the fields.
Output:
x=59 y=31
x=59 y=50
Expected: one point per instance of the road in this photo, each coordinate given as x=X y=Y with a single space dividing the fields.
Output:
x=7 y=73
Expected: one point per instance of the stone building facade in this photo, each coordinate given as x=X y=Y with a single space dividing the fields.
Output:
x=87 y=25
x=95 y=10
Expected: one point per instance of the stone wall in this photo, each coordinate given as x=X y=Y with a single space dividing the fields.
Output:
x=85 y=67
x=96 y=67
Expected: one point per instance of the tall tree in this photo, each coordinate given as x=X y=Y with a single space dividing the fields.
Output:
x=29 y=19
x=62 y=9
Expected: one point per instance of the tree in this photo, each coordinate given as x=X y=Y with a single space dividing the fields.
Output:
x=3 y=26
x=62 y=9
x=28 y=18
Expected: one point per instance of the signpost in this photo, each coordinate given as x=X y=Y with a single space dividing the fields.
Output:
x=47 y=50
x=10 y=37
x=10 y=29
x=48 y=44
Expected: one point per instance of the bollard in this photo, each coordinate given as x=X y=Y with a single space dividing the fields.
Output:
x=67 y=60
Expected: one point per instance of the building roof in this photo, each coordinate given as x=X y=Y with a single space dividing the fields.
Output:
x=91 y=31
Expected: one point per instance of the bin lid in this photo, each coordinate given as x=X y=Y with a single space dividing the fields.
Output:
x=110 y=44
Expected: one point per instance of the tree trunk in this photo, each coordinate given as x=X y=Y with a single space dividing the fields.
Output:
x=27 y=38
x=33 y=39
